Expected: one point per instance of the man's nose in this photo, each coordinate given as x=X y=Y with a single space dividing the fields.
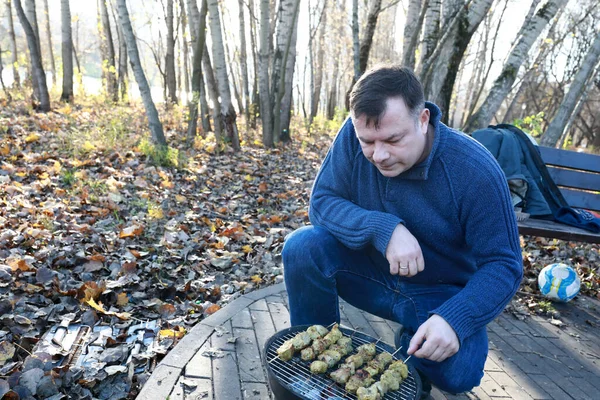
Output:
x=380 y=153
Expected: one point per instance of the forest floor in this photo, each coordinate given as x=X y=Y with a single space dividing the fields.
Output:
x=98 y=231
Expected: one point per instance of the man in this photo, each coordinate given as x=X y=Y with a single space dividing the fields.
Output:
x=411 y=221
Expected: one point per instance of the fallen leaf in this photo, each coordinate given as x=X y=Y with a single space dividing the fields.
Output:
x=131 y=231
x=213 y=309
x=7 y=351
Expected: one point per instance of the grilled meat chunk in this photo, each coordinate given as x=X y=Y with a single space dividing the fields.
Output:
x=342 y=374
x=318 y=367
x=360 y=379
x=331 y=357
x=307 y=354
x=317 y=331
x=286 y=350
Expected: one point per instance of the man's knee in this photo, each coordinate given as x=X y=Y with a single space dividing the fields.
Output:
x=459 y=383
x=304 y=242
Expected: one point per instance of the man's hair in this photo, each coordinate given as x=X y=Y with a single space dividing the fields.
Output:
x=370 y=93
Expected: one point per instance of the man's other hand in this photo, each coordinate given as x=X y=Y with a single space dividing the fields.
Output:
x=440 y=340
x=404 y=253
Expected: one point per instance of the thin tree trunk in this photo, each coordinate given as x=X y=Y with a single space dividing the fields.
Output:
x=525 y=38
x=213 y=90
x=67 y=52
x=36 y=58
x=31 y=14
x=13 y=45
x=197 y=73
x=170 y=57
x=156 y=129
x=255 y=102
x=6 y=92
x=227 y=111
x=265 y=99
x=286 y=102
x=431 y=31
x=49 y=38
x=122 y=70
x=356 y=41
x=184 y=45
x=318 y=68
x=557 y=126
x=111 y=70
x=244 y=65
x=411 y=30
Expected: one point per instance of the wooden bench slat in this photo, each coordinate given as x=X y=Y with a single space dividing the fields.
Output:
x=579 y=199
x=575 y=179
x=570 y=159
x=551 y=229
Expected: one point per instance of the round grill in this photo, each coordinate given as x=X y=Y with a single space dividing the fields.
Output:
x=293 y=380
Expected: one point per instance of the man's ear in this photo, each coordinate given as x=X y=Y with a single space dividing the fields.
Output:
x=424 y=120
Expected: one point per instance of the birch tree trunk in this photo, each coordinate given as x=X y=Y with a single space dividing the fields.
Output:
x=108 y=65
x=13 y=45
x=431 y=30
x=49 y=39
x=244 y=65
x=265 y=100
x=286 y=102
x=184 y=45
x=288 y=13
x=156 y=129
x=170 y=56
x=31 y=14
x=557 y=126
x=355 y=41
x=36 y=58
x=122 y=70
x=6 y=92
x=67 y=52
x=526 y=37
x=255 y=96
x=411 y=30
x=197 y=73
x=318 y=68
x=228 y=115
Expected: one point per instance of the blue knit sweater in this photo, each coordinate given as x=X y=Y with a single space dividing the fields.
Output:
x=457 y=205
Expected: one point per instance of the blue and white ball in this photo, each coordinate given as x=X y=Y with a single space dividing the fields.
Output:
x=559 y=282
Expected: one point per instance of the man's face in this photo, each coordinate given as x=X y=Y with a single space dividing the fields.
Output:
x=400 y=141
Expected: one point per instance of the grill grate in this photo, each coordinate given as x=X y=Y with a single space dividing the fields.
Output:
x=295 y=374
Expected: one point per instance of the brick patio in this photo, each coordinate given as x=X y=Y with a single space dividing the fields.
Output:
x=531 y=359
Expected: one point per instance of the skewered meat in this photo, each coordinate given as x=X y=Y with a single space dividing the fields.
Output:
x=307 y=354
x=334 y=334
x=370 y=393
x=318 y=367
x=390 y=380
x=320 y=345
x=379 y=363
x=302 y=340
x=360 y=379
x=317 y=331
x=331 y=357
x=342 y=374
x=286 y=351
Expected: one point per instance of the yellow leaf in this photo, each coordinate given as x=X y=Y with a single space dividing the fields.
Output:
x=96 y=306
x=178 y=332
x=4 y=149
x=156 y=213
x=248 y=178
x=247 y=249
x=122 y=299
x=180 y=198
x=257 y=280
x=34 y=137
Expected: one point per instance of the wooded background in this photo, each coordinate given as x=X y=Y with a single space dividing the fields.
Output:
x=248 y=63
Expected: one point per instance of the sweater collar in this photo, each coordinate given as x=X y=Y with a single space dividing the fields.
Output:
x=421 y=170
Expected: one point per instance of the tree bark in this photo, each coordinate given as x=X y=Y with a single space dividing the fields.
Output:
x=431 y=30
x=170 y=57
x=355 y=41
x=13 y=45
x=49 y=39
x=318 y=68
x=265 y=100
x=228 y=115
x=197 y=73
x=194 y=18
x=286 y=101
x=411 y=29
x=288 y=13
x=184 y=45
x=36 y=58
x=557 y=126
x=525 y=38
x=67 y=51
x=6 y=92
x=156 y=129
x=122 y=70
x=108 y=65
x=31 y=13
x=255 y=102
x=244 y=65
x=213 y=90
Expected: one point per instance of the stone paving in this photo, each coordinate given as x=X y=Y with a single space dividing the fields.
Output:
x=221 y=358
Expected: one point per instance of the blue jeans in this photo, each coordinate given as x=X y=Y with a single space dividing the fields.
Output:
x=318 y=269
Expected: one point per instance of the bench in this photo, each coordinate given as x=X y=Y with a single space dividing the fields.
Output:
x=578 y=177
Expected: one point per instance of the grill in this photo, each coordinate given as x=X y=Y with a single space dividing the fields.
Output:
x=293 y=380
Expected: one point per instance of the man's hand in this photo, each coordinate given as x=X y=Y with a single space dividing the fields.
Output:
x=440 y=339
x=404 y=253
